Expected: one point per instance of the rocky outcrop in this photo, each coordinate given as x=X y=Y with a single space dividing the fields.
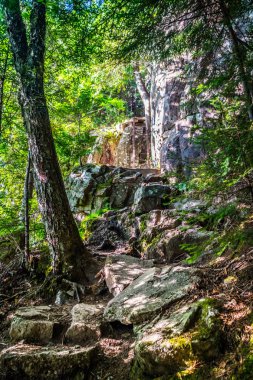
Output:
x=93 y=187
x=150 y=197
x=168 y=141
x=137 y=210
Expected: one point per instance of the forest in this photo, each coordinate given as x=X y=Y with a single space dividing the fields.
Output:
x=126 y=189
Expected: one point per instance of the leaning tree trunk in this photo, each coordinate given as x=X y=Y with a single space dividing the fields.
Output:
x=62 y=233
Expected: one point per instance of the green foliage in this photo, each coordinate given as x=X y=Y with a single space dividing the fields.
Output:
x=85 y=227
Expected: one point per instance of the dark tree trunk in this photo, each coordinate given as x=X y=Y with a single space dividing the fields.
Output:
x=62 y=233
x=25 y=217
x=2 y=81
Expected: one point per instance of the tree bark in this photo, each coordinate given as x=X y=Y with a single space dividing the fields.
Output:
x=28 y=191
x=62 y=234
x=2 y=81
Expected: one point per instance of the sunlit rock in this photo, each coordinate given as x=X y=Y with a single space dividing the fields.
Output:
x=151 y=292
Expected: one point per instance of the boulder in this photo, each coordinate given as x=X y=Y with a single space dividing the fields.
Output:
x=86 y=323
x=33 y=362
x=123 y=189
x=192 y=333
x=31 y=331
x=82 y=313
x=169 y=244
x=82 y=184
x=105 y=228
x=121 y=270
x=193 y=205
x=150 y=197
x=153 y=291
x=32 y=324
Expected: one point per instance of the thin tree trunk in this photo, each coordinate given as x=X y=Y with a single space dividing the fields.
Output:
x=28 y=190
x=240 y=53
x=145 y=96
x=2 y=81
x=134 y=144
x=62 y=233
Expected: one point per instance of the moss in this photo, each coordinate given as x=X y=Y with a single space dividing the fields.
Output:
x=143 y=225
x=181 y=341
x=246 y=351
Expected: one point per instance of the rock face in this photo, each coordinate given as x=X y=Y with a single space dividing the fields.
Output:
x=121 y=270
x=53 y=363
x=172 y=343
x=155 y=290
x=127 y=148
x=172 y=117
x=150 y=197
x=32 y=325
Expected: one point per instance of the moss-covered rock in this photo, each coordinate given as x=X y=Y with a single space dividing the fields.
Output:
x=172 y=344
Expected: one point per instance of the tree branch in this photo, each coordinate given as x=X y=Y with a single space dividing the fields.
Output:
x=38 y=33
x=17 y=34
x=140 y=84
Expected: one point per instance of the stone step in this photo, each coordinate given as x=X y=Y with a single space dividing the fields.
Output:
x=26 y=362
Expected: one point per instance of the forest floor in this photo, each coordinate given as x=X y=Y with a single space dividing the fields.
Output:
x=227 y=279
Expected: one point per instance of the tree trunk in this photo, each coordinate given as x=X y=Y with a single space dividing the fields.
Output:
x=62 y=234
x=25 y=217
x=2 y=81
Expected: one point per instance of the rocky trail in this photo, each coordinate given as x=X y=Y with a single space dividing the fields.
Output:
x=149 y=314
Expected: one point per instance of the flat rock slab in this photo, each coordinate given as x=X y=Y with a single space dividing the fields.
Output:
x=33 y=312
x=33 y=362
x=122 y=270
x=155 y=290
x=83 y=312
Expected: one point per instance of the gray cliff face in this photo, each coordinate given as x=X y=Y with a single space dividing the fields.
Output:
x=172 y=119
x=167 y=143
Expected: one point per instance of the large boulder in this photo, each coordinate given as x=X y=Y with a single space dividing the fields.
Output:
x=52 y=363
x=32 y=324
x=122 y=270
x=123 y=188
x=192 y=333
x=153 y=291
